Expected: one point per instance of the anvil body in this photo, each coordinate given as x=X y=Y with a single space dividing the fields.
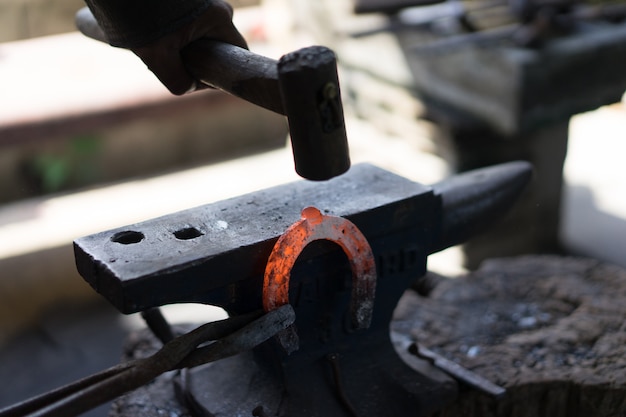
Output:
x=224 y=266
x=216 y=254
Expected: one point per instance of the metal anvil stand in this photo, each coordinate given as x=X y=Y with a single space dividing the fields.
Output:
x=500 y=102
x=216 y=254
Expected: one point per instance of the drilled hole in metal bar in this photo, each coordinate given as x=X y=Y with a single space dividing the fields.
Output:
x=187 y=233
x=127 y=237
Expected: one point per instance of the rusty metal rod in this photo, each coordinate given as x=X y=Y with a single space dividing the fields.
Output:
x=333 y=358
x=157 y=323
x=458 y=372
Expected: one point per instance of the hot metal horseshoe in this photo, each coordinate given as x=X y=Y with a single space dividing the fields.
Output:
x=316 y=226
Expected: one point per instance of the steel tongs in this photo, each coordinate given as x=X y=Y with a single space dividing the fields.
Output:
x=230 y=337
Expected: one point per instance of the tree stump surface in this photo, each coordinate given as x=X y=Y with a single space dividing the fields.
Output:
x=550 y=329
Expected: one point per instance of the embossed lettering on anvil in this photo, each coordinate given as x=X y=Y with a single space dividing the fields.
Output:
x=399 y=261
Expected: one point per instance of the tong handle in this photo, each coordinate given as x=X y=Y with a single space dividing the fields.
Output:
x=232 y=336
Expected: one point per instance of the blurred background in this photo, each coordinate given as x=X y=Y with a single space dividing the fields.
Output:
x=89 y=140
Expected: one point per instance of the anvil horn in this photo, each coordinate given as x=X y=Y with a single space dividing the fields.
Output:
x=472 y=201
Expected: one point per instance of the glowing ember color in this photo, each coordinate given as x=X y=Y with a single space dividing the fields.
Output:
x=316 y=226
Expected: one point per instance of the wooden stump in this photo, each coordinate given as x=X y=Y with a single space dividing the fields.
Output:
x=552 y=330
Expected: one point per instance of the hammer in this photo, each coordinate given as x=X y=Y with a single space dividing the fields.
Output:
x=302 y=85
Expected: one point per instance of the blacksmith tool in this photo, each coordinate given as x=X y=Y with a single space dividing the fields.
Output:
x=303 y=85
x=218 y=254
x=230 y=337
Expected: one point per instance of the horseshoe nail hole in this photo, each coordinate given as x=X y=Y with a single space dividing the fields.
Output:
x=187 y=233
x=128 y=237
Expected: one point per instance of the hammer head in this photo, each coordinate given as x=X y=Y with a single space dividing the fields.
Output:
x=309 y=88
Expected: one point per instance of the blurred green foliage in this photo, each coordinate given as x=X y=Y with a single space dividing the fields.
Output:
x=71 y=165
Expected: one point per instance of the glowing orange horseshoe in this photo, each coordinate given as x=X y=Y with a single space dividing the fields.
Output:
x=316 y=226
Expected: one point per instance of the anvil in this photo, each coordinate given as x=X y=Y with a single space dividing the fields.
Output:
x=216 y=254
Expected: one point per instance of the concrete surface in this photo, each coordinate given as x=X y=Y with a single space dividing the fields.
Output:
x=594 y=200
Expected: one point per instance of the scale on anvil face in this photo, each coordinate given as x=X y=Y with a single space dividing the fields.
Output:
x=338 y=370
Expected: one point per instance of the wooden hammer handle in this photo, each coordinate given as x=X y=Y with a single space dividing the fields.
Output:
x=235 y=70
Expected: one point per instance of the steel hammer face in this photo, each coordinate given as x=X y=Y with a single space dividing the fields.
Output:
x=309 y=87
